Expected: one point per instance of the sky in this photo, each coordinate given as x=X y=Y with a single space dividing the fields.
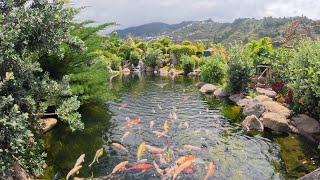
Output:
x=130 y=13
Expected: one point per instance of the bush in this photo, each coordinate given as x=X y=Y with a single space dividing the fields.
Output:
x=179 y=50
x=135 y=57
x=153 y=57
x=261 y=52
x=188 y=64
x=239 y=70
x=306 y=78
x=213 y=71
x=115 y=62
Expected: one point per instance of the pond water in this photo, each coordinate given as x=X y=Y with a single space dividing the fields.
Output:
x=202 y=121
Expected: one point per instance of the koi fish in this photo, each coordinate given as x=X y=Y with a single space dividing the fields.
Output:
x=182 y=167
x=168 y=158
x=184 y=159
x=120 y=166
x=119 y=146
x=141 y=150
x=165 y=126
x=151 y=125
x=170 y=171
x=154 y=150
x=160 y=134
x=80 y=160
x=130 y=124
x=173 y=115
x=73 y=171
x=96 y=157
x=143 y=167
x=210 y=170
x=160 y=171
x=122 y=106
x=124 y=136
x=190 y=147
x=159 y=106
x=128 y=119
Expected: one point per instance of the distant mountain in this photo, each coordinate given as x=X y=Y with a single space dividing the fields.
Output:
x=243 y=29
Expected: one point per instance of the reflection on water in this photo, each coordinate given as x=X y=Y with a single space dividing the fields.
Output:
x=199 y=123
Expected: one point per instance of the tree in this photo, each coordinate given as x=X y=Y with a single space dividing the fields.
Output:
x=261 y=52
x=28 y=31
x=153 y=57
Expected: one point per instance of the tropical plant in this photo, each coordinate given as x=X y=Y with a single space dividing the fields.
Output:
x=179 y=50
x=220 y=50
x=135 y=57
x=213 y=71
x=188 y=64
x=153 y=57
x=239 y=70
x=261 y=52
x=29 y=31
x=115 y=62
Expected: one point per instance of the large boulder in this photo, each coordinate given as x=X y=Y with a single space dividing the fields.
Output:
x=221 y=93
x=208 y=88
x=307 y=126
x=266 y=92
x=275 y=122
x=47 y=124
x=275 y=107
x=315 y=175
x=240 y=100
x=252 y=123
x=200 y=84
x=263 y=98
x=255 y=107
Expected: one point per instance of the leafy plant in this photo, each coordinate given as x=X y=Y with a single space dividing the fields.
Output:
x=239 y=70
x=188 y=64
x=115 y=62
x=135 y=57
x=213 y=71
x=153 y=57
x=261 y=52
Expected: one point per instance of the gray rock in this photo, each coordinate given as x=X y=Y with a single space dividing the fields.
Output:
x=275 y=122
x=307 y=127
x=252 y=123
x=275 y=107
x=315 y=175
x=208 y=88
x=255 y=107
x=200 y=84
x=221 y=93
x=193 y=74
x=266 y=92
x=263 y=98
x=240 y=100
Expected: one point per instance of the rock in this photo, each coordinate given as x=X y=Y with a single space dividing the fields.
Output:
x=163 y=72
x=126 y=70
x=200 y=84
x=263 y=98
x=312 y=176
x=293 y=129
x=275 y=122
x=172 y=72
x=307 y=126
x=221 y=93
x=252 y=123
x=193 y=74
x=275 y=107
x=255 y=107
x=266 y=92
x=149 y=69
x=18 y=173
x=208 y=88
x=47 y=124
x=240 y=100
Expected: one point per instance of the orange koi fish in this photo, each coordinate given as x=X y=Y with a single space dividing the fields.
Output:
x=210 y=170
x=122 y=106
x=143 y=167
x=190 y=147
x=154 y=150
x=182 y=167
x=119 y=146
x=130 y=124
x=120 y=166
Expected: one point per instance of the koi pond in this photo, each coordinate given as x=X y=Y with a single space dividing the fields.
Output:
x=177 y=118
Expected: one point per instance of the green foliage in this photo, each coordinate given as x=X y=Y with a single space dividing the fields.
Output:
x=261 y=52
x=188 y=64
x=153 y=58
x=239 y=70
x=306 y=73
x=213 y=71
x=135 y=57
x=115 y=62
x=179 y=50
x=187 y=43
x=283 y=60
x=25 y=89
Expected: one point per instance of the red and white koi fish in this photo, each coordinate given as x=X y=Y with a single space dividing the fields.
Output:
x=130 y=124
x=143 y=167
x=122 y=106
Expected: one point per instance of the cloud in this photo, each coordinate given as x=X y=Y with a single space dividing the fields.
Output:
x=137 y=12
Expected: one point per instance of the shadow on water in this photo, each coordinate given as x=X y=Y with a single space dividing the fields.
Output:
x=203 y=121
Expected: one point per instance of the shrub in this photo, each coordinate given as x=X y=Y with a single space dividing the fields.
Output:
x=179 y=50
x=213 y=71
x=153 y=57
x=261 y=52
x=306 y=77
x=188 y=64
x=239 y=70
x=135 y=57
x=115 y=62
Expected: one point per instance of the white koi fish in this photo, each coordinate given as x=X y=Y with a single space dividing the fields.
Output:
x=151 y=125
x=99 y=153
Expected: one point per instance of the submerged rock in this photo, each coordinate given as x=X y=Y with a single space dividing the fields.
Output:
x=208 y=88
x=276 y=107
x=200 y=84
x=263 y=98
x=47 y=124
x=307 y=126
x=221 y=93
x=275 y=122
x=252 y=123
x=266 y=92
x=255 y=107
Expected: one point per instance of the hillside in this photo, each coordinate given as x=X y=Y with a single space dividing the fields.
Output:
x=244 y=29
